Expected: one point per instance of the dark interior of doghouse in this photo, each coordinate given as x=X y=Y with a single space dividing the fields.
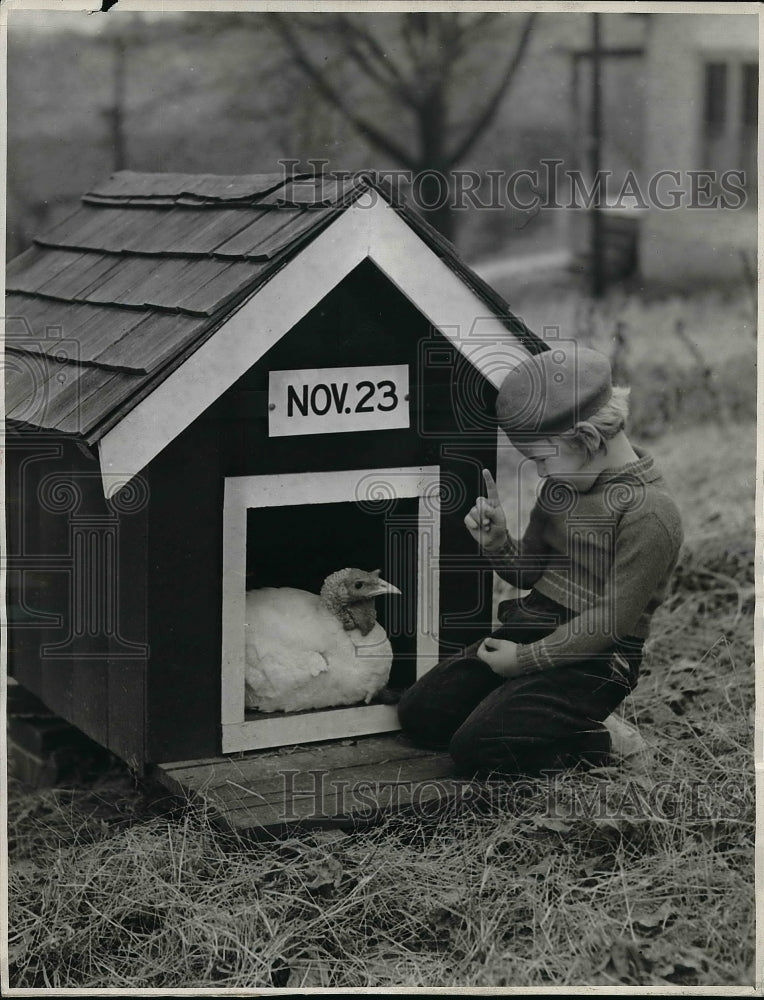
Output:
x=299 y=546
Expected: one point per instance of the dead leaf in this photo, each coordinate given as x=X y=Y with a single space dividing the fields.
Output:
x=447 y=912
x=651 y=923
x=627 y=962
x=606 y=771
x=683 y=665
x=330 y=836
x=541 y=868
x=600 y=865
x=550 y=823
x=307 y=975
x=327 y=875
x=18 y=950
x=291 y=847
x=682 y=969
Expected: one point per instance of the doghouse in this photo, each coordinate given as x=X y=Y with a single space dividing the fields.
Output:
x=221 y=382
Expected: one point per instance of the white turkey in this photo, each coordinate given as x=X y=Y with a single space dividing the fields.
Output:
x=306 y=650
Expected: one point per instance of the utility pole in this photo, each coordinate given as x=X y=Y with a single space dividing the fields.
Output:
x=115 y=114
x=596 y=246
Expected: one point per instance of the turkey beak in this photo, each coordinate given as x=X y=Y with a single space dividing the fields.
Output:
x=382 y=587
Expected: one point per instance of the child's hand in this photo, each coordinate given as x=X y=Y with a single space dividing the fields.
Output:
x=500 y=655
x=486 y=521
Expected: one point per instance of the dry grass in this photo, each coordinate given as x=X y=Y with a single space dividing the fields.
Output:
x=105 y=892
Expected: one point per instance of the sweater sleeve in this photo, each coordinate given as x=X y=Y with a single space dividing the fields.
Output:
x=523 y=563
x=645 y=554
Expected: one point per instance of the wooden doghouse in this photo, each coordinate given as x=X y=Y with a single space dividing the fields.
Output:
x=222 y=382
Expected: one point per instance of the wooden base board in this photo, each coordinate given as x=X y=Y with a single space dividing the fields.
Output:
x=34 y=770
x=344 y=783
x=44 y=750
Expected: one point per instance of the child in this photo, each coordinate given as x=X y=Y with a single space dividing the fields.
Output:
x=597 y=556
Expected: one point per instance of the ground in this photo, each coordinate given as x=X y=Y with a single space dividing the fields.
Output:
x=640 y=874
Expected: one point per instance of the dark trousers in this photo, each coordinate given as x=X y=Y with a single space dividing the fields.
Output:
x=548 y=720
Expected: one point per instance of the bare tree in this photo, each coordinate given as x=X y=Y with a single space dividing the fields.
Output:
x=421 y=66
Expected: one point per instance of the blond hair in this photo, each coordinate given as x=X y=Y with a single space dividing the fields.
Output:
x=591 y=436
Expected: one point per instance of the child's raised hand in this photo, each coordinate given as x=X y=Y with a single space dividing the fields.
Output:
x=486 y=521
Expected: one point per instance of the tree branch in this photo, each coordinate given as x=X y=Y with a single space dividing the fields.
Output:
x=364 y=127
x=414 y=27
x=369 y=57
x=374 y=49
x=492 y=106
x=477 y=23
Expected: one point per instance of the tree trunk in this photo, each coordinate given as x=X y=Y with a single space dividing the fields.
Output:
x=433 y=198
x=433 y=187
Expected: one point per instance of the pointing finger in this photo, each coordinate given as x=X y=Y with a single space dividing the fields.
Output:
x=484 y=511
x=490 y=488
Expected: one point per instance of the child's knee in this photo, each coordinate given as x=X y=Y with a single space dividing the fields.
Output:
x=410 y=710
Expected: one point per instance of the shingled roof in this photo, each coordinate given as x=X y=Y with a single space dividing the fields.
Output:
x=118 y=295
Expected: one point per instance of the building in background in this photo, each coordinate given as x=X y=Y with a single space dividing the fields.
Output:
x=691 y=120
x=700 y=114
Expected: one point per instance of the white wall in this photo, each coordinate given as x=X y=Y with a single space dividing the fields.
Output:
x=690 y=244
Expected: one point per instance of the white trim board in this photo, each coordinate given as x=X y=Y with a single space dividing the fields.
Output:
x=310 y=727
x=376 y=232
x=243 y=492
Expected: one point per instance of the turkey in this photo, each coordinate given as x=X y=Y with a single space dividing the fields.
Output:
x=306 y=650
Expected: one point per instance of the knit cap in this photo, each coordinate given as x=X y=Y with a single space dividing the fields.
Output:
x=548 y=393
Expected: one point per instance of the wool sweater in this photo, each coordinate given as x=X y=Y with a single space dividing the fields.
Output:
x=606 y=554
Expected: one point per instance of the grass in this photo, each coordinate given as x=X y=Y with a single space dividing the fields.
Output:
x=653 y=888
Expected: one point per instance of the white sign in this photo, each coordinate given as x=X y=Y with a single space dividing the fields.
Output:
x=334 y=400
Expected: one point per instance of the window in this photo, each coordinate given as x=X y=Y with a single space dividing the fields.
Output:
x=749 y=123
x=730 y=106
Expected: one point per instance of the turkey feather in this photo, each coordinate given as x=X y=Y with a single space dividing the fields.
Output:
x=299 y=656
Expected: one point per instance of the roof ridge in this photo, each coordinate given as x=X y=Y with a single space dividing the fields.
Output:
x=165 y=200
x=145 y=190
x=194 y=203
x=125 y=184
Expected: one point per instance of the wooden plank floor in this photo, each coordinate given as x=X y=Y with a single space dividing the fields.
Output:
x=340 y=783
